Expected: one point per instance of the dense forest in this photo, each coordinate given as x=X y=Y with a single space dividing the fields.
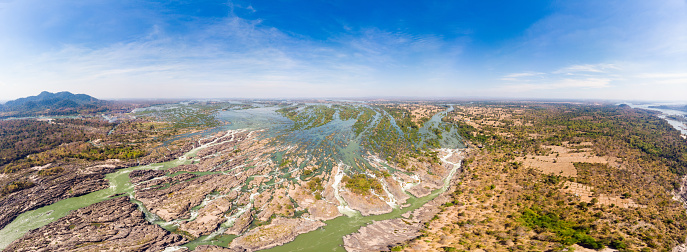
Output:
x=19 y=138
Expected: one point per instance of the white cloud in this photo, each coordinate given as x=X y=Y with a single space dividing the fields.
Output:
x=564 y=84
x=232 y=57
x=662 y=75
x=573 y=77
x=587 y=68
x=519 y=76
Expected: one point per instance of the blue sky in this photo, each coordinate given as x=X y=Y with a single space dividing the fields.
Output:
x=628 y=50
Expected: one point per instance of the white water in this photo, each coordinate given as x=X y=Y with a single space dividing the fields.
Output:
x=343 y=206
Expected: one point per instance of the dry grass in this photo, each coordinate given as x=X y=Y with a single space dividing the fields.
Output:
x=560 y=159
x=586 y=194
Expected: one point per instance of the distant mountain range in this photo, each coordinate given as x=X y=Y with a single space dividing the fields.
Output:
x=46 y=103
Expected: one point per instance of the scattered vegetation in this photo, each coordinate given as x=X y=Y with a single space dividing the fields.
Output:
x=502 y=204
x=361 y=184
x=15 y=186
x=315 y=186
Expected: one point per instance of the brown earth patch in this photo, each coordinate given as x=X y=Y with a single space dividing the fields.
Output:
x=560 y=159
x=586 y=194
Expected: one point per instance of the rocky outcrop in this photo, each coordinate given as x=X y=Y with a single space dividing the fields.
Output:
x=186 y=168
x=74 y=181
x=114 y=224
x=681 y=195
x=366 y=204
x=151 y=184
x=380 y=235
x=213 y=248
x=170 y=154
x=318 y=209
x=322 y=210
x=209 y=217
x=241 y=223
x=428 y=184
x=175 y=201
x=143 y=175
x=279 y=232
x=396 y=190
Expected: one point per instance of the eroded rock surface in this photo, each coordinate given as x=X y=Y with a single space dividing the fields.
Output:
x=366 y=204
x=72 y=182
x=208 y=218
x=241 y=223
x=175 y=201
x=114 y=224
x=213 y=248
x=379 y=235
x=143 y=175
x=279 y=232
x=382 y=235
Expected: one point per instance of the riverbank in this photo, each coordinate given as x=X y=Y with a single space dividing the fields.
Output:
x=114 y=224
x=681 y=196
x=381 y=235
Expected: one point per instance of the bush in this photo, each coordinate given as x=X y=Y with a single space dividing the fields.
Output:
x=567 y=233
x=16 y=186
x=50 y=171
x=361 y=184
x=618 y=244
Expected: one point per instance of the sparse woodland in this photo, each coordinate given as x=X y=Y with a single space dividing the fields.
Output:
x=504 y=205
x=57 y=154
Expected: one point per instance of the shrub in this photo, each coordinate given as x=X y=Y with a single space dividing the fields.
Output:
x=361 y=184
x=16 y=186
x=50 y=171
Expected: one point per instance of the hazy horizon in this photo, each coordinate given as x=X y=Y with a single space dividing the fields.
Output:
x=391 y=98
x=581 y=50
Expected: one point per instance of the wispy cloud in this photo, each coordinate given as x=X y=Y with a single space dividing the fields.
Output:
x=587 y=68
x=518 y=76
x=585 y=76
x=564 y=84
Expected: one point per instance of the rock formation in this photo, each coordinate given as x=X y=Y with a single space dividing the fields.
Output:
x=114 y=224
x=279 y=232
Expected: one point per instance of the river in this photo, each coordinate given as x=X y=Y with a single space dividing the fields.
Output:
x=681 y=126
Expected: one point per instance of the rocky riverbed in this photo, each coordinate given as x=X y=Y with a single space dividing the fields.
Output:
x=73 y=181
x=114 y=224
x=280 y=231
x=382 y=235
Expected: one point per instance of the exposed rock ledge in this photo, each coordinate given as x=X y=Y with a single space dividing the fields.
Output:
x=114 y=224
x=681 y=196
x=381 y=235
x=366 y=204
x=279 y=232
x=213 y=248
